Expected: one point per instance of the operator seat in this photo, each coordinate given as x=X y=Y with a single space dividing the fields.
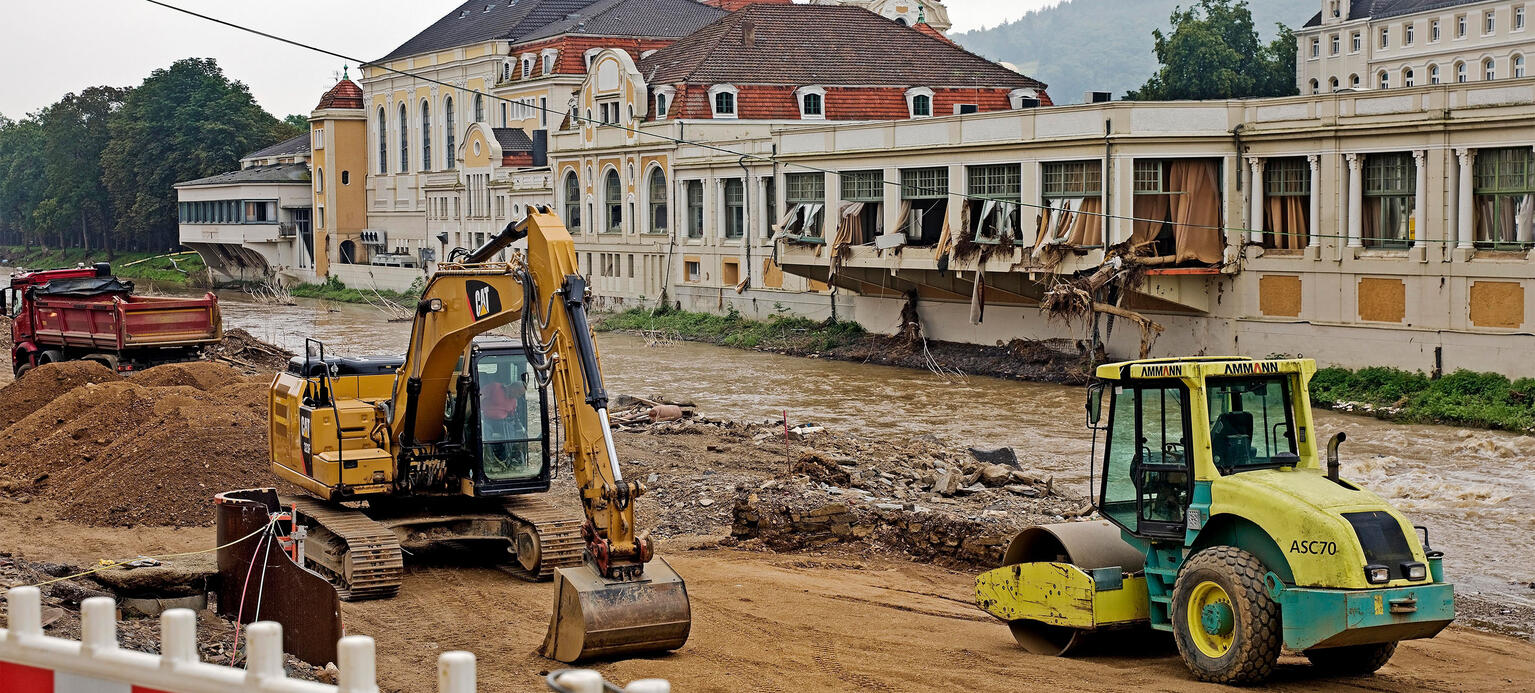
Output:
x=1231 y=438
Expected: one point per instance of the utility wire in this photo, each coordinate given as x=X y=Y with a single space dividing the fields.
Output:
x=575 y=116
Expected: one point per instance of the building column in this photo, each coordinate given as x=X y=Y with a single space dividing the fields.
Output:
x=892 y=199
x=1315 y=217
x=1465 y=228
x=833 y=216
x=1355 y=200
x=1419 y=250
x=1255 y=216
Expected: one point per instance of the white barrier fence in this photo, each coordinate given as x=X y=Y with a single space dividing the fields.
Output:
x=31 y=662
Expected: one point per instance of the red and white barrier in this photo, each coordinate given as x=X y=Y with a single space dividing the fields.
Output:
x=31 y=662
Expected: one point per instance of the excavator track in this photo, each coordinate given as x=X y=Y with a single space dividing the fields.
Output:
x=362 y=558
x=548 y=531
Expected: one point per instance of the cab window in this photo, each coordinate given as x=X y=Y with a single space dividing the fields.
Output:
x=1252 y=423
x=1145 y=476
x=511 y=418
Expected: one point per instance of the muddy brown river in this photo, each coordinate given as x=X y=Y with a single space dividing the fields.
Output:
x=1474 y=489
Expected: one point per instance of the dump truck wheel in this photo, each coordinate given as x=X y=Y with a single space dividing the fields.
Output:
x=1226 y=626
x=1353 y=660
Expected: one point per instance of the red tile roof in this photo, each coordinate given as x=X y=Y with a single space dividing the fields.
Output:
x=824 y=45
x=928 y=29
x=733 y=5
x=346 y=94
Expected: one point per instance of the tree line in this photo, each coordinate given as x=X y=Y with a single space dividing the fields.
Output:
x=96 y=168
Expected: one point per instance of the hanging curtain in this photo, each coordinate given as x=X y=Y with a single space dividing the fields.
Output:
x=978 y=298
x=1087 y=227
x=1297 y=209
x=1154 y=208
x=904 y=219
x=1526 y=218
x=789 y=222
x=946 y=236
x=1196 y=211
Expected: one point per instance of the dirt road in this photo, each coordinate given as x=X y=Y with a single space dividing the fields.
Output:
x=770 y=622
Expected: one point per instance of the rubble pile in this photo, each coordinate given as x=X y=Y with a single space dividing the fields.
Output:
x=243 y=350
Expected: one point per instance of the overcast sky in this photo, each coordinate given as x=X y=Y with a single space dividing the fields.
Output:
x=52 y=47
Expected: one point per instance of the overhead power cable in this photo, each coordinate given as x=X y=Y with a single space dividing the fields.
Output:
x=575 y=116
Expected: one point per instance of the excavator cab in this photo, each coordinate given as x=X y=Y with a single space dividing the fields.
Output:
x=506 y=414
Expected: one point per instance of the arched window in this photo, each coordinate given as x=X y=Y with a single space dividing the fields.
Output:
x=1385 y=80
x=572 y=201
x=1460 y=72
x=919 y=101
x=1353 y=81
x=1332 y=84
x=426 y=135
x=613 y=201
x=346 y=177
x=1433 y=74
x=383 y=142
x=1489 y=69
x=813 y=105
x=506 y=71
x=479 y=108
x=319 y=180
x=1315 y=86
x=404 y=140
x=1409 y=77
x=1518 y=62
x=450 y=136
x=657 y=201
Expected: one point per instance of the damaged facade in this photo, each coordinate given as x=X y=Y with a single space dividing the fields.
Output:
x=1361 y=229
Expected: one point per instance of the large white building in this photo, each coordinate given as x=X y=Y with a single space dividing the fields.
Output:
x=1383 y=44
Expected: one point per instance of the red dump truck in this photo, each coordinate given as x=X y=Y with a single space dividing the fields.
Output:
x=87 y=313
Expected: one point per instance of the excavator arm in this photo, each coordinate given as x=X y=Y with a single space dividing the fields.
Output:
x=621 y=601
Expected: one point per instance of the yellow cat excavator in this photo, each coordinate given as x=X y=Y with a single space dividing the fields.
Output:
x=452 y=444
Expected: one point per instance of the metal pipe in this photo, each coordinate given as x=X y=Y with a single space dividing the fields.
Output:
x=607 y=438
x=1332 y=454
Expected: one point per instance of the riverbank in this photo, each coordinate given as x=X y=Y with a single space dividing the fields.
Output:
x=184 y=269
x=1462 y=398
x=334 y=290
x=1052 y=361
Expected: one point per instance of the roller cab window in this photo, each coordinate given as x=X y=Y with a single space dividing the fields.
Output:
x=511 y=418
x=1252 y=424
x=1146 y=482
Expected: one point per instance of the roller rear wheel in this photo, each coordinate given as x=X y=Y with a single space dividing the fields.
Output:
x=1226 y=626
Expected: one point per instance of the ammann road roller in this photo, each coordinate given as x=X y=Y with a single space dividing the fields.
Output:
x=1222 y=523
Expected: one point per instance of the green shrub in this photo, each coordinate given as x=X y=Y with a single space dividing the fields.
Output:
x=1464 y=397
x=734 y=330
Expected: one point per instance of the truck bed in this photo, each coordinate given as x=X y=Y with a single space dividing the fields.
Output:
x=119 y=323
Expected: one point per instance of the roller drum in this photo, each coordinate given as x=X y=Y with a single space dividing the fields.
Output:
x=1087 y=545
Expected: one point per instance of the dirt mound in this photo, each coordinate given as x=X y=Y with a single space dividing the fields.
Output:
x=46 y=382
x=148 y=450
x=203 y=375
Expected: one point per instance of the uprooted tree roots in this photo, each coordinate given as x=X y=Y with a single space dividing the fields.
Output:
x=1076 y=298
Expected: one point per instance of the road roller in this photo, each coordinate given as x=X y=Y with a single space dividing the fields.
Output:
x=1222 y=521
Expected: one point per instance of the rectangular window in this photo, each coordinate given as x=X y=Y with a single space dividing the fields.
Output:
x=735 y=208
x=1251 y=423
x=1286 y=203
x=1504 y=183
x=1385 y=37
x=925 y=192
x=1490 y=23
x=1460 y=26
x=695 y=195
x=1356 y=42
x=806 y=196
x=1519 y=18
x=1433 y=31
x=770 y=191
x=1336 y=44
x=1316 y=47
x=1389 y=190
x=1145 y=485
x=1149 y=178
x=998 y=213
x=730 y=272
x=1409 y=33
x=1073 y=179
x=862 y=186
x=692 y=268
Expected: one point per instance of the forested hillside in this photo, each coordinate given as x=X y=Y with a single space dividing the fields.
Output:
x=1102 y=45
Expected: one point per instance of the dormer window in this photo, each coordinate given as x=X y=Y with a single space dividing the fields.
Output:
x=664 y=96
x=506 y=71
x=722 y=100
x=1018 y=98
x=550 y=55
x=527 y=66
x=919 y=102
x=591 y=54
x=812 y=103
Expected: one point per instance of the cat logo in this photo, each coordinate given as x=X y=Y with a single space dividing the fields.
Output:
x=306 y=447
x=484 y=300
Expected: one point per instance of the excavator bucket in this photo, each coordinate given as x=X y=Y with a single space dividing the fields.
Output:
x=597 y=617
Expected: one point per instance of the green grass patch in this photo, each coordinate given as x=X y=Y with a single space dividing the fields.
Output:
x=334 y=290
x=1468 y=398
x=733 y=330
x=180 y=269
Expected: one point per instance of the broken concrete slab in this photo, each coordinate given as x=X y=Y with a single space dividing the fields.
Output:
x=1002 y=455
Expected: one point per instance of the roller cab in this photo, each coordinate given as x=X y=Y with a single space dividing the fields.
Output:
x=1223 y=525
